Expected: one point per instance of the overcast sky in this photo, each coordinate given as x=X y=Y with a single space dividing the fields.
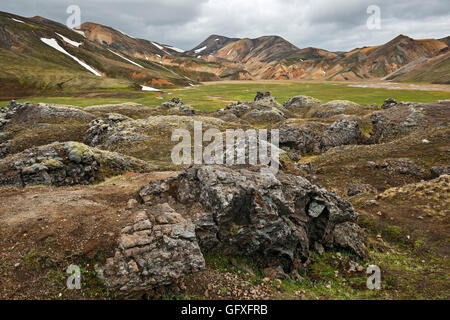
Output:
x=327 y=24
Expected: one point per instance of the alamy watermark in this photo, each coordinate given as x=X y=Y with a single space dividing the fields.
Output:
x=374 y=20
x=74 y=20
x=241 y=147
x=74 y=280
x=374 y=280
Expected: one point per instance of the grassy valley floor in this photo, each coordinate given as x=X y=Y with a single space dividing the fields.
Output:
x=216 y=95
x=406 y=219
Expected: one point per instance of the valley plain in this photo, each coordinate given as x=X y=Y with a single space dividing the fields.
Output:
x=209 y=96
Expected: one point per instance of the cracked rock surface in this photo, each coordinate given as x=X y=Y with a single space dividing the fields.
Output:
x=62 y=164
x=276 y=219
x=158 y=248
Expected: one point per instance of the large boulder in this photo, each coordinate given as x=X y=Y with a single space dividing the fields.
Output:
x=32 y=113
x=147 y=139
x=389 y=103
x=335 y=107
x=176 y=106
x=339 y=133
x=276 y=220
x=263 y=110
x=157 y=248
x=347 y=235
x=264 y=115
x=308 y=107
x=302 y=137
x=392 y=123
x=298 y=102
x=23 y=126
x=129 y=109
x=66 y=163
x=316 y=137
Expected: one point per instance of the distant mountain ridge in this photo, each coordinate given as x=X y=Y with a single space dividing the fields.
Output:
x=66 y=59
x=272 y=57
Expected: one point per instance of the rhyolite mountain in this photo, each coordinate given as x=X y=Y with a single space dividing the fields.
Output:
x=39 y=55
x=97 y=56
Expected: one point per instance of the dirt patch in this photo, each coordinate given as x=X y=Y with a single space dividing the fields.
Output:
x=44 y=229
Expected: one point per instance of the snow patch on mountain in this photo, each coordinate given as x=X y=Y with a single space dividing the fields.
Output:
x=175 y=49
x=160 y=47
x=17 y=20
x=132 y=62
x=79 y=32
x=146 y=88
x=54 y=44
x=200 y=50
x=157 y=45
x=67 y=40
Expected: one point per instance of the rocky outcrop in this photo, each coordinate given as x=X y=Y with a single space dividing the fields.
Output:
x=303 y=137
x=392 y=123
x=389 y=103
x=158 y=248
x=266 y=96
x=129 y=109
x=175 y=106
x=357 y=188
x=147 y=139
x=342 y=132
x=264 y=109
x=264 y=115
x=347 y=235
x=437 y=171
x=311 y=108
x=32 y=113
x=63 y=164
x=240 y=211
x=398 y=166
x=298 y=102
x=32 y=124
x=316 y=137
x=335 y=107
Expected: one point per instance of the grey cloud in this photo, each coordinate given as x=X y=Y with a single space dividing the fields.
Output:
x=328 y=24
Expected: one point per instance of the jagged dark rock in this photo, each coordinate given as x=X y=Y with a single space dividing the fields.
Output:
x=399 y=166
x=50 y=122
x=262 y=96
x=389 y=103
x=342 y=132
x=357 y=188
x=157 y=248
x=63 y=164
x=392 y=123
x=299 y=102
x=304 y=137
x=177 y=105
x=437 y=171
x=239 y=211
x=347 y=235
x=316 y=137
x=264 y=109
